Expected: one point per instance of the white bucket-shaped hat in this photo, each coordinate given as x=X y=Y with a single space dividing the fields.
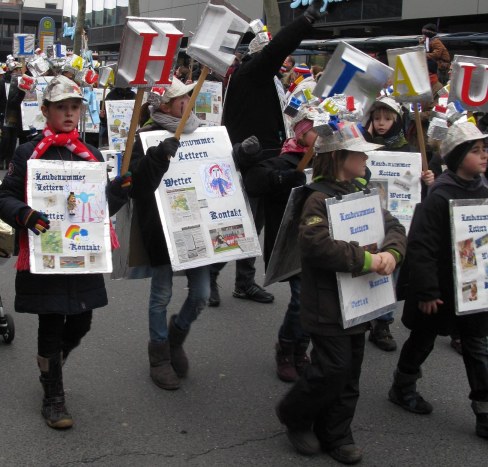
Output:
x=460 y=133
x=388 y=103
x=348 y=136
x=177 y=89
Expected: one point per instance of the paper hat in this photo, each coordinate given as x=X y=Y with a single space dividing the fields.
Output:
x=345 y=135
x=388 y=103
x=304 y=120
x=61 y=88
x=457 y=134
x=259 y=42
x=158 y=96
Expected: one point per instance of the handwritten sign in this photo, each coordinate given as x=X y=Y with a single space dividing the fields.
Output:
x=148 y=51
x=119 y=114
x=354 y=73
x=72 y=196
x=411 y=81
x=358 y=217
x=469 y=230
x=396 y=176
x=208 y=105
x=219 y=33
x=206 y=218
x=469 y=82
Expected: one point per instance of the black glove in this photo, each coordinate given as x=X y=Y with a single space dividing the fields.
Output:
x=167 y=149
x=35 y=221
x=251 y=146
x=291 y=178
x=313 y=13
x=120 y=185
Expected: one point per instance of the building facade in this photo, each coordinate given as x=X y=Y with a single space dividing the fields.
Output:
x=24 y=16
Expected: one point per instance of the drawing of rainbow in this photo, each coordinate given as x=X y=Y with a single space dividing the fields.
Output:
x=72 y=232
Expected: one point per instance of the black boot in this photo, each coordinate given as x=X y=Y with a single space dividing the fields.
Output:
x=479 y=409
x=404 y=393
x=161 y=370
x=214 y=299
x=53 y=405
x=380 y=335
x=300 y=356
x=176 y=337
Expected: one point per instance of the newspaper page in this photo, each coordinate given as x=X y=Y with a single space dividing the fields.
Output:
x=72 y=196
x=469 y=231
x=358 y=217
x=208 y=106
x=205 y=214
x=119 y=114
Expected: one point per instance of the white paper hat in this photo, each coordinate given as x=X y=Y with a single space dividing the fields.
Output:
x=347 y=136
x=61 y=88
x=458 y=134
x=157 y=97
x=388 y=103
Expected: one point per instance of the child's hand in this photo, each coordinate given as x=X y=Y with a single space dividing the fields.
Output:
x=167 y=148
x=35 y=221
x=120 y=185
x=375 y=262
x=427 y=176
x=388 y=263
x=430 y=307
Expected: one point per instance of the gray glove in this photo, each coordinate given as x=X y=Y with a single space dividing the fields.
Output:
x=250 y=146
x=313 y=13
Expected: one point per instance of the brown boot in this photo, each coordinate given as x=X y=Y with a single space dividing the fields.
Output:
x=285 y=362
x=53 y=405
x=176 y=337
x=300 y=356
x=161 y=371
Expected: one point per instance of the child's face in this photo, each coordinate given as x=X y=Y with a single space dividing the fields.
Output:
x=177 y=106
x=354 y=166
x=474 y=163
x=63 y=116
x=382 y=121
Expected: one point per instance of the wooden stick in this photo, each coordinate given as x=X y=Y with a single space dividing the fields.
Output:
x=303 y=164
x=189 y=108
x=421 y=139
x=134 y=122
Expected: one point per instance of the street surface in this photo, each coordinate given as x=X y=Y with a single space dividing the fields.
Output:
x=224 y=413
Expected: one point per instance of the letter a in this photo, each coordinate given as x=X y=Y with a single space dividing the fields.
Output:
x=400 y=68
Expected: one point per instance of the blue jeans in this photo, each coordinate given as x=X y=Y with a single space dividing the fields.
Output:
x=291 y=329
x=161 y=291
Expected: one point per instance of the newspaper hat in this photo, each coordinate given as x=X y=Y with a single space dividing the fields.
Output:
x=304 y=119
x=61 y=88
x=345 y=135
x=387 y=103
x=158 y=96
x=458 y=134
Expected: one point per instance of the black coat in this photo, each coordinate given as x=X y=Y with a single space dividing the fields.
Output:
x=252 y=105
x=429 y=263
x=147 y=172
x=265 y=180
x=49 y=293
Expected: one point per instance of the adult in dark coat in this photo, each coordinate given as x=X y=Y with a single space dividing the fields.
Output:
x=430 y=298
x=253 y=107
x=3 y=106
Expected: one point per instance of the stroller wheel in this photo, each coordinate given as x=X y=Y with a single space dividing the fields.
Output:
x=9 y=334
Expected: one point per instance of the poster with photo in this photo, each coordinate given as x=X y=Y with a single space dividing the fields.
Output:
x=72 y=196
x=358 y=217
x=208 y=106
x=205 y=214
x=119 y=114
x=469 y=231
x=396 y=175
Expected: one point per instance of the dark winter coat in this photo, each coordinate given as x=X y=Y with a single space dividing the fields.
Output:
x=430 y=263
x=49 y=293
x=13 y=112
x=3 y=100
x=322 y=257
x=252 y=105
x=272 y=181
x=147 y=172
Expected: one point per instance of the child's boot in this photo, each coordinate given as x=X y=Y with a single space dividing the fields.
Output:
x=285 y=362
x=53 y=405
x=480 y=409
x=380 y=335
x=404 y=393
x=176 y=337
x=161 y=370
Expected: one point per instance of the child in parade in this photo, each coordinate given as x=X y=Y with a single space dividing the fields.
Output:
x=387 y=130
x=167 y=358
x=430 y=303
x=63 y=302
x=319 y=409
x=272 y=180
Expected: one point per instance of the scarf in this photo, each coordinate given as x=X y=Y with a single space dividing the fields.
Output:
x=170 y=123
x=392 y=142
x=70 y=141
x=291 y=146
